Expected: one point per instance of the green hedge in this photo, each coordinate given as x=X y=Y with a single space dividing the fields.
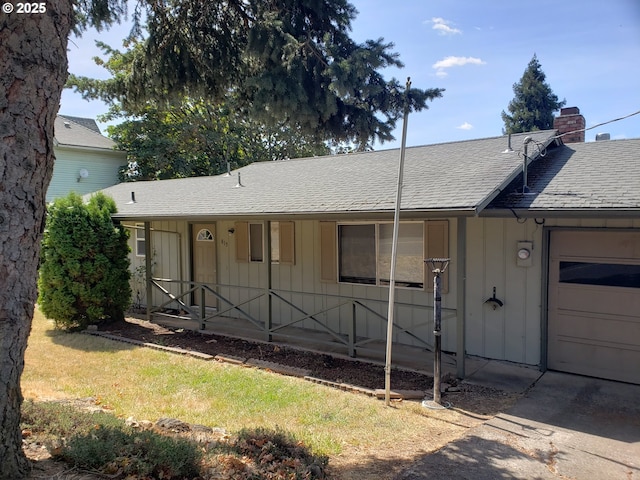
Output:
x=84 y=265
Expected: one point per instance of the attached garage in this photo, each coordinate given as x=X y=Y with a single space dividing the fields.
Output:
x=594 y=303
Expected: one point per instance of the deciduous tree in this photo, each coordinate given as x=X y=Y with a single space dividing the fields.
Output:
x=534 y=102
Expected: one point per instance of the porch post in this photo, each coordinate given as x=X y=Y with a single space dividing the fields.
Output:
x=461 y=275
x=147 y=266
x=269 y=321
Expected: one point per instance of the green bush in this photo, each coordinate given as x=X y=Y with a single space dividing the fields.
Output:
x=84 y=265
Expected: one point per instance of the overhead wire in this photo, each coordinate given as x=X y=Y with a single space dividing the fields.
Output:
x=598 y=125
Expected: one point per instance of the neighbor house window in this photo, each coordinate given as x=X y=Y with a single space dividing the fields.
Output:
x=364 y=254
x=140 y=240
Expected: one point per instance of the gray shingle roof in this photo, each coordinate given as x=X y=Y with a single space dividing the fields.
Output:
x=90 y=123
x=458 y=177
x=68 y=132
x=580 y=177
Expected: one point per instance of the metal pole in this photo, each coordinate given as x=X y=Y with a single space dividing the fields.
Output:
x=437 y=318
x=394 y=246
x=438 y=266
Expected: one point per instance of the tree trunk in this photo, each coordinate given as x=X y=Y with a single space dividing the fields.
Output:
x=33 y=55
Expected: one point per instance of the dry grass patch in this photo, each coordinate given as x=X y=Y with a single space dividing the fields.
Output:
x=362 y=437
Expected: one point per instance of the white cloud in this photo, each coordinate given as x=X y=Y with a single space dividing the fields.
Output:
x=443 y=27
x=449 y=62
x=465 y=126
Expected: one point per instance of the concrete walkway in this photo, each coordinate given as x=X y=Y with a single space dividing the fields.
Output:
x=565 y=427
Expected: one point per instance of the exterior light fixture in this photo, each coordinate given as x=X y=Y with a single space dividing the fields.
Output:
x=523 y=254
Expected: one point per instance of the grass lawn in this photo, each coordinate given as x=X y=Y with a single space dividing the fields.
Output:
x=361 y=435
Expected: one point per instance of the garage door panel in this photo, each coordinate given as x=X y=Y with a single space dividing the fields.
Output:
x=601 y=300
x=598 y=330
x=594 y=304
x=600 y=360
x=600 y=244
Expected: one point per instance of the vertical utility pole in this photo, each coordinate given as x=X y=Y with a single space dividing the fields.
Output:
x=394 y=252
x=437 y=266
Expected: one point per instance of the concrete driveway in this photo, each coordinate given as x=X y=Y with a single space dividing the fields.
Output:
x=565 y=427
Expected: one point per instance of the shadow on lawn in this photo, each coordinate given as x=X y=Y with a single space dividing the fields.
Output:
x=87 y=343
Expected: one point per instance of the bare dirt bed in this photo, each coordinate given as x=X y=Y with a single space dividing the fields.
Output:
x=326 y=367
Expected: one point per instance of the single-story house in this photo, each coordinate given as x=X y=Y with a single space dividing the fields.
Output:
x=543 y=238
x=86 y=160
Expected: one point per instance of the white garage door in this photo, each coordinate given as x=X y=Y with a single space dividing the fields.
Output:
x=594 y=304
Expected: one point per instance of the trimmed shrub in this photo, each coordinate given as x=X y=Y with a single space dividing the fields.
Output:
x=84 y=264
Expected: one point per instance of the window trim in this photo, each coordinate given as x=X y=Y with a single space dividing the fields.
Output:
x=140 y=239
x=379 y=282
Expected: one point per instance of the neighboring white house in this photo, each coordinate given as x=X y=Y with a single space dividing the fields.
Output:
x=86 y=160
x=543 y=237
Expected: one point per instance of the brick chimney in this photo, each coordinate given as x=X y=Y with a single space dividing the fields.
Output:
x=569 y=121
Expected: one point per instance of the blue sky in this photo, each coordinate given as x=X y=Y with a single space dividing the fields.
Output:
x=476 y=50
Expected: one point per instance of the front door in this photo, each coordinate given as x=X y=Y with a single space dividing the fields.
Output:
x=204 y=261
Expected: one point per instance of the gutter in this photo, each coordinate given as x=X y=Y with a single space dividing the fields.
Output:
x=381 y=214
x=632 y=213
x=87 y=147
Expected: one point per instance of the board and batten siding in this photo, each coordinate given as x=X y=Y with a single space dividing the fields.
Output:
x=513 y=332
x=102 y=167
x=301 y=283
x=169 y=258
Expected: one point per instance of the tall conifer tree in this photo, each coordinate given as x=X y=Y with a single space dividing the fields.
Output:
x=534 y=103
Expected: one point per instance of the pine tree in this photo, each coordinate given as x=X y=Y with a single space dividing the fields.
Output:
x=534 y=102
x=292 y=61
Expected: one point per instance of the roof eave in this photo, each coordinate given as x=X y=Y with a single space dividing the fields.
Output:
x=85 y=147
x=562 y=212
x=335 y=215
